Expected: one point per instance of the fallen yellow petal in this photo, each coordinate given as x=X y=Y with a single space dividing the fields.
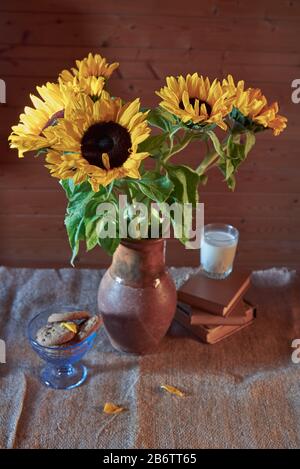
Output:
x=110 y=408
x=172 y=390
x=71 y=326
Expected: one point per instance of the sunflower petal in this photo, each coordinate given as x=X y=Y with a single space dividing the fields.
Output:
x=172 y=390
x=110 y=408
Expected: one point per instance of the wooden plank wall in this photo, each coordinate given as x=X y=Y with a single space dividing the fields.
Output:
x=257 y=41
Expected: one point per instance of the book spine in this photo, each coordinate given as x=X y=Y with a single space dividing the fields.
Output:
x=200 y=303
x=213 y=338
x=210 y=335
x=183 y=319
x=222 y=321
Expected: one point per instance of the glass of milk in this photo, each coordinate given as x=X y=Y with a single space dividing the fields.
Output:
x=218 y=248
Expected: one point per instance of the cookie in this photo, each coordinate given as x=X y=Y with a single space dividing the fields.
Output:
x=54 y=334
x=69 y=316
x=88 y=327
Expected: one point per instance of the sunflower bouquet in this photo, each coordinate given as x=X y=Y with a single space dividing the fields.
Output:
x=97 y=145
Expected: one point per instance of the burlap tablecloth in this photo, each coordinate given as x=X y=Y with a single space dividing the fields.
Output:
x=241 y=393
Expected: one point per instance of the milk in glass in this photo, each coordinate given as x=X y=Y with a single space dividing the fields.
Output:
x=218 y=249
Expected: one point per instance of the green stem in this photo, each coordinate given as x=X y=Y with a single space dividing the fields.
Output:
x=157 y=166
x=206 y=162
x=123 y=187
x=209 y=159
x=181 y=146
x=171 y=145
x=131 y=201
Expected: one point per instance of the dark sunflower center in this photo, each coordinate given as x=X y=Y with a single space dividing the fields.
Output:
x=192 y=102
x=106 y=137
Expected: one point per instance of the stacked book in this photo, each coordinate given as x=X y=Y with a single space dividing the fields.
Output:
x=215 y=309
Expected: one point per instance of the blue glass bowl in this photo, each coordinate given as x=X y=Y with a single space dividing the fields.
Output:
x=62 y=370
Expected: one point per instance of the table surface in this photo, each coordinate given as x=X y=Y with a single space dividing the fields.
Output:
x=243 y=392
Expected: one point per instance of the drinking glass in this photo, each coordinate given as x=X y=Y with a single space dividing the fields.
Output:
x=218 y=248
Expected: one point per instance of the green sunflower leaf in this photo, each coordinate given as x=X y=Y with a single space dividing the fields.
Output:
x=154 y=144
x=231 y=182
x=79 y=201
x=250 y=142
x=185 y=182
x=96 y=226
x=216 y=143
x=81 y=218
x=109 y=244
x=180 y=228
x=92 y=241
x=76 y=233
x=157 y=188
x=68 y=186
x=91 y=235
x=162 y=119
x=236 y=153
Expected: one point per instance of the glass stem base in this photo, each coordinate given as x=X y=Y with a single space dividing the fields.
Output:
x=63 y=377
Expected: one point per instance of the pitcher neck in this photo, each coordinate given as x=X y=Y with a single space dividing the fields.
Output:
x=139 y=262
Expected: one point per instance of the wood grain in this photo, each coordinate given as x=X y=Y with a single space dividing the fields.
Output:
x=277 y=180
x=258 y=42
x=153 y=31
x=223 y=8
x=53 y=252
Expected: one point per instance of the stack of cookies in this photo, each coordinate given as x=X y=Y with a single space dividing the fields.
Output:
x=67 y=328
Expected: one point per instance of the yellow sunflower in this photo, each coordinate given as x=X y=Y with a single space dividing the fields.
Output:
x=27 y=135
x=249 y=102
x=97 y=141
x=254 y=105
x=92 y=86
x=197 y=100
x=67 y=166
x=268 y=117
x=91 y=66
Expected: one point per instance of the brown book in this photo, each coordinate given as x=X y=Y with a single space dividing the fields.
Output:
x=210 y=334
x=237 y=316
x=215 y=296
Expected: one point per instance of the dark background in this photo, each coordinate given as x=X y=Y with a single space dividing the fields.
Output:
x=258 y=41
